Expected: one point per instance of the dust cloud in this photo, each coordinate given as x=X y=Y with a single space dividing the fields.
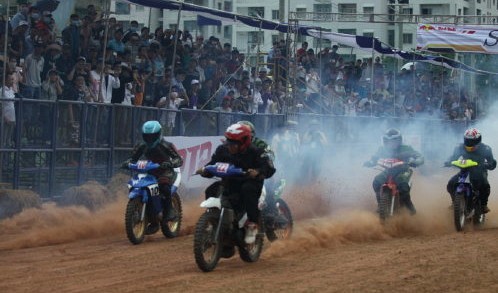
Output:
x=336 y=208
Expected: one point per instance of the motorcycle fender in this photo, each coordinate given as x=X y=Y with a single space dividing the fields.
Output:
x=212 y=202
x=136 y=192
x=462 y=187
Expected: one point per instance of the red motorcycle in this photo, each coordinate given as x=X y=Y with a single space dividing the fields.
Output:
x=389 y=202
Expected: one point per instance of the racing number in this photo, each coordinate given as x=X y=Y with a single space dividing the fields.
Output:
x=154 y=190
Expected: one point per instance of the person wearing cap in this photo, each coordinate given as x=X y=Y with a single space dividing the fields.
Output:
x=71 y=35
x=79 y=68
x=33 y=67
x=21 y=15
x=52 y=53
x=193 y=94
x=17 y=40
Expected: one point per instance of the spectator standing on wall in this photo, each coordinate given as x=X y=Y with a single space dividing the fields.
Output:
x=8 y=110
x=33 y=66
x=71 y=35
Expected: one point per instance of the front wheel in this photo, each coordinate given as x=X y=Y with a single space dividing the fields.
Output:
x=385 y=203
x=459 y=211
x=135 y=227
x=207 y=249
x=171 y=229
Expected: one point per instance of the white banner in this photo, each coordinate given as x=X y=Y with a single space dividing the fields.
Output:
x=458 y=38
x=196 y=152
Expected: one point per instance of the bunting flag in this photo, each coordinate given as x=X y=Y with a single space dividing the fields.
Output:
x=210 y=16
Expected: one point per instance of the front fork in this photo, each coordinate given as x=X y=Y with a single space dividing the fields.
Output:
x=142 y=214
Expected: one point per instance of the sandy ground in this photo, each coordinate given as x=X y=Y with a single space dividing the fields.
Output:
x=338 y=246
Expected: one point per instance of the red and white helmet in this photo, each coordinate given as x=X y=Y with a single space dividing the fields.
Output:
x=471 y=139
x=239 y=134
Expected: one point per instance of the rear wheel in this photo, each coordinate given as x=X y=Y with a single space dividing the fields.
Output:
x=282 y=222
x=171 y=229
x=251 y=252
x=459 y=211
x=135 y=227
x=207 y=249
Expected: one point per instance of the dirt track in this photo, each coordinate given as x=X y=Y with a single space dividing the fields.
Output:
x=335 y=248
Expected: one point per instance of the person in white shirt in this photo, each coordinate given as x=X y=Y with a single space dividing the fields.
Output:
x=8 y=110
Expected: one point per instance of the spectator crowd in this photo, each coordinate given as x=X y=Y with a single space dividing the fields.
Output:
x=94 y=59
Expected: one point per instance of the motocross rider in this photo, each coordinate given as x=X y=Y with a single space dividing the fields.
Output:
x=270 y=204
x=156 y=149
x=394 y=148
x=313 y=143
x=239 y=151
x=472 y=148
x=286 y=144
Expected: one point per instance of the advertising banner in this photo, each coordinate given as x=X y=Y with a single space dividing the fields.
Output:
x=458 y=38
x=196 y=152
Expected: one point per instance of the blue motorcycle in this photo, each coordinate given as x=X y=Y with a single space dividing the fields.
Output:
x=145 y=201
x=466 y=203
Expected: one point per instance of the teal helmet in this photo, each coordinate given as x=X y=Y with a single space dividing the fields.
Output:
x=151 y=133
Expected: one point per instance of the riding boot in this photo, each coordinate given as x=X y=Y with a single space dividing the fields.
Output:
x=407 y=201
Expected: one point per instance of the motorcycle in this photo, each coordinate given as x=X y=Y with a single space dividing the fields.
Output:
x=277 y=216
x=221 y=228
x=389 y=201
x=143 y=197
x=466 y=202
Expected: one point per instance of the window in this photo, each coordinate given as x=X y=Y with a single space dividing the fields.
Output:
x=368 y=10
x=254 y=37
x=300 y=12
x=390 y=38
x=227 y=32
x=349 y=31
x=347 y=8
x=426 y=11
x=321 y=43
x=139 y=8
x=407 y=38
x=258 y=12
x=122 y=8
x=275 y=38
x=275 y=14
x=407 y=11
x=370 y=35
x=190 y=25
x=228 y=6
x=322 y=8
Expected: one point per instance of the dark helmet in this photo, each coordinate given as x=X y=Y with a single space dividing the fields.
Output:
x=471 y=139
x=251 y=126
x=151 y=133
x=239 y=134
x=392 y=139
